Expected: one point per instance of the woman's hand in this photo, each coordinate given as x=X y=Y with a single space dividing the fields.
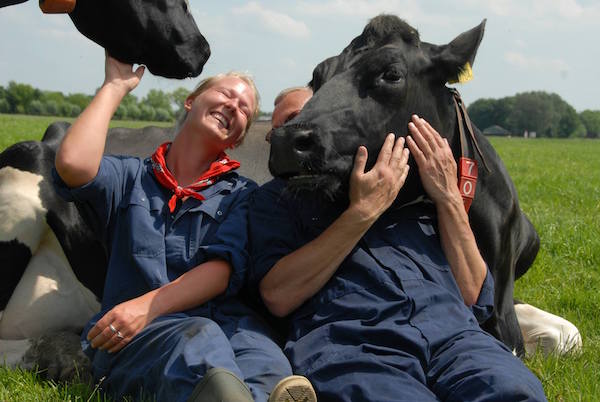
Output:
x=372 y=193
x=437 y=167
x=124 y=321
x=120 y=75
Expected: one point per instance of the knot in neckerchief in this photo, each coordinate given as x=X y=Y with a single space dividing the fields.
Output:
x=220 y=166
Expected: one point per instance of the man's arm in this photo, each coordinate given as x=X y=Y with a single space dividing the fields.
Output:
x=437 y=169
x=302 y=273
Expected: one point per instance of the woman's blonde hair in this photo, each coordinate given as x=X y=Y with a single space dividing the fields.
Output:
x=209 y=82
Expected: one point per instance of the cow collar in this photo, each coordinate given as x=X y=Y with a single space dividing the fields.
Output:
x=467 y=167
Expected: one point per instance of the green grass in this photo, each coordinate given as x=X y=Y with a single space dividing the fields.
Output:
x=16 y=127
x=559 y=188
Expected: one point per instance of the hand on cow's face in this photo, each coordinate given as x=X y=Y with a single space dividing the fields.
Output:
x=372 y=192
x=121 y=76
x=437 y=167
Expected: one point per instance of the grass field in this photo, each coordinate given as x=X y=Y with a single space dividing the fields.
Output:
x=559 y=188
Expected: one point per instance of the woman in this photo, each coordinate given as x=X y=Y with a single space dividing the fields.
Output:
x=175 y=227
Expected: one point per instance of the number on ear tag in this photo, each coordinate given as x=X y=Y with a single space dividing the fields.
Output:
x=467 y=180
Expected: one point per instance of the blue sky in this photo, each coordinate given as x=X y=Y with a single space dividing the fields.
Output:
x=548 y=45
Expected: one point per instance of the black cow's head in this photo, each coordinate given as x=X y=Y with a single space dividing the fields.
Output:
x=372 y=88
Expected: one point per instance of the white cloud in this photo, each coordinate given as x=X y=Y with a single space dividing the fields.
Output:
x=409 y=9
x=535 y=63
x=277 y=22
x=554 y=10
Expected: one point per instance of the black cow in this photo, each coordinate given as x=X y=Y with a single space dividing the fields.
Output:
x=161 y=34
x=372 y=88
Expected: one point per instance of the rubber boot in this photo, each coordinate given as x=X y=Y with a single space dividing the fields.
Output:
x=220 y=385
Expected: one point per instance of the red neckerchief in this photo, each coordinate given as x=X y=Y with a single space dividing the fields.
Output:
x=222 y=165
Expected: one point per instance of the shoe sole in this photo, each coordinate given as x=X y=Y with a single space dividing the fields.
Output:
x=293 y=389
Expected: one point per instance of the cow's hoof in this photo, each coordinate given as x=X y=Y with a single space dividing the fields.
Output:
x=58 y=356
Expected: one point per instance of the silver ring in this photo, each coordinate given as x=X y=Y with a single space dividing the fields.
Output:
x=113 y=329
x=120 y=335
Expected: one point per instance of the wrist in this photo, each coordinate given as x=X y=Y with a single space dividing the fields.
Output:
x=360 y=217
x=115 y=89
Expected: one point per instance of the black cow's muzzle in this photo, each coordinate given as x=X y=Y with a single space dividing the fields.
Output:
x=296 y=150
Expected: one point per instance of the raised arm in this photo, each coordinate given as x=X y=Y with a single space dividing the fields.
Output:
x=437 y=169
x=79 y=155
x=302 y=273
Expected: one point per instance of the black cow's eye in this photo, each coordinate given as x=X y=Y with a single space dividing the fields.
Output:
x=392 y=76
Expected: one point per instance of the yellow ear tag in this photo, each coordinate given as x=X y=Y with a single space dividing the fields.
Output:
x=466 y=74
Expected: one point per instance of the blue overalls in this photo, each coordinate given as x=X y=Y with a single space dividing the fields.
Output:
x=149 y=247
x=391 y=324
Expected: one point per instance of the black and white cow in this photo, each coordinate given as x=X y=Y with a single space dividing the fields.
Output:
x=372 y=88
x=53 y=267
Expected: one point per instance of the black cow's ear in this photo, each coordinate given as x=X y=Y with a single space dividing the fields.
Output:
x=454 y=60
x=324 y=71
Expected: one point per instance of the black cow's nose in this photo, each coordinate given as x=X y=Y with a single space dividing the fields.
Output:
x=304 y=141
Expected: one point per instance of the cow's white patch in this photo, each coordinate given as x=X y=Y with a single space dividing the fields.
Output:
x=551 y=333
x=21 y=210
x=12 y=351
x=48 y=297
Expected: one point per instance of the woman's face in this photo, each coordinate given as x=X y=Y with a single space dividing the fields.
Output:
x=222 y=110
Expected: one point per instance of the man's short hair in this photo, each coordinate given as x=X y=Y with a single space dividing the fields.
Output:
x=287 y=91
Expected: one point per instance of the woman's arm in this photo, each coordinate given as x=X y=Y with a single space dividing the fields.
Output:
x=78 y=157
x=193 y=288
x=437 y=169
x=302 y=273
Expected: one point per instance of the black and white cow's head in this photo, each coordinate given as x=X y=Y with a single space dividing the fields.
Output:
x=160 y=34
x=372 y=88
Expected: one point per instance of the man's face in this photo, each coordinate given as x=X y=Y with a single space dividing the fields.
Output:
x=289 y=107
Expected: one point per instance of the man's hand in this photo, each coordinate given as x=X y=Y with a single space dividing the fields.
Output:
x=371 y=193
x=437 y=167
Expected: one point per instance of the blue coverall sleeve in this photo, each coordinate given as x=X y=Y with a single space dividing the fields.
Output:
x=272 y=230
x=100 y=197
x=484 y=306
x=230 y=242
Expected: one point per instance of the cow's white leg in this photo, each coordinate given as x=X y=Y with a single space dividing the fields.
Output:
x=48 y=297
x=553 y=334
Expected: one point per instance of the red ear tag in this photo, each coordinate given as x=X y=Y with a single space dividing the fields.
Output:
x=467 y=180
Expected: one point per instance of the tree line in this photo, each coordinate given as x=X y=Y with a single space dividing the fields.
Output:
x=157 y=105
x=546 y=114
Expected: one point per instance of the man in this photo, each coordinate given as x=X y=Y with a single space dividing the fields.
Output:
x=383 y=301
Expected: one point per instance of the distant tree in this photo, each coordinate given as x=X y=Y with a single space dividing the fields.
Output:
x=129 y=100
x=79 y=99
x=54 y=96
x=134 y=112
x=19 y=96
x=51 y=108
x=163 y=115
x=36 y=108
x=4 y=106
x=591 y=122
x=177 y=98
x=121 y=112
x=147 y=112
x=157 y=99
x=2 y=92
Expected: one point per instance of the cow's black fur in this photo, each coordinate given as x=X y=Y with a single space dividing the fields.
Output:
x=161 y=34
x=372 y=88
